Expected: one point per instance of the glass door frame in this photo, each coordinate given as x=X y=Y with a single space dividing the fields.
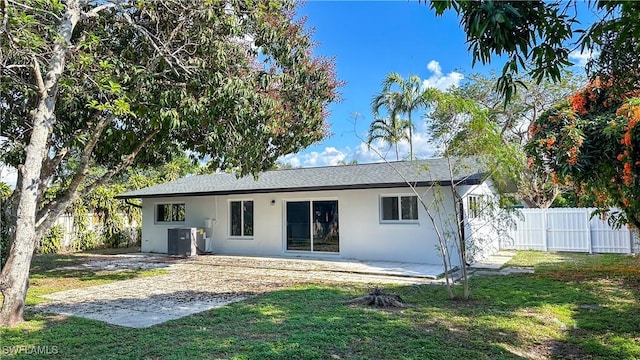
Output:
x=311 y=225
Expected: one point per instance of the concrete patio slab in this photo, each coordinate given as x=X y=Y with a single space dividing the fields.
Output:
x=428 y=271
x=493 y=262
x=381 y=268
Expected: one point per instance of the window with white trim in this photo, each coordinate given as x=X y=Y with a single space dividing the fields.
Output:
x=241 y=218
x=399 y=208
x=475 y=206
x=170 y=212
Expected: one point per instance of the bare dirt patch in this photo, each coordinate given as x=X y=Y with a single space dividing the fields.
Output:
x=191 y=285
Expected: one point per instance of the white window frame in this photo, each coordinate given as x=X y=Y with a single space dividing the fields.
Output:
x=229 y=224
x=155 y=212
x=474 y=205
x=400 y=219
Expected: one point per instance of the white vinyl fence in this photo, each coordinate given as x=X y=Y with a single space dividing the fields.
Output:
x=569 y=229
x=68 y=227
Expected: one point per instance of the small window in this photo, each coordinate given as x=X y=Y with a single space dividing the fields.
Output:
x=475 y=205
x=170 y=212
x=399 y=208
x=241 y=215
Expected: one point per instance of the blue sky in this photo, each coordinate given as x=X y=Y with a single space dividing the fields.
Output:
x=368 y=40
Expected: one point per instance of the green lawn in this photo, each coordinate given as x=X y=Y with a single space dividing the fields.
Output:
x=574 y=306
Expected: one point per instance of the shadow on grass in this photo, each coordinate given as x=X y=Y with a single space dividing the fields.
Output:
x=45 y=262
x=101 y=275
x=593 y=305
x=42 y=263
x=86 y=267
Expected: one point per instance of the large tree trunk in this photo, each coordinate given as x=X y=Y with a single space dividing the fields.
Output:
x=13 y=280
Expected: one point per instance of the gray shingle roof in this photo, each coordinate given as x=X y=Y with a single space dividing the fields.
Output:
x=361 y=176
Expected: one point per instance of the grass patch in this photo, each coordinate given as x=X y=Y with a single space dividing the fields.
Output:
x=553 y=313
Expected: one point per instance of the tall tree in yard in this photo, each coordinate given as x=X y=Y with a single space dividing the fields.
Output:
x=403 y=96
x=391 y=129
x=589 y=141
x=592 y=140
x=114 y=84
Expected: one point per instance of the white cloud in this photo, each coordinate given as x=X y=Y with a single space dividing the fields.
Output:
x=439 y=80
x=422 y=149
x=330 y=156
x=363 y=154
x=581 y=58
x=379 y=151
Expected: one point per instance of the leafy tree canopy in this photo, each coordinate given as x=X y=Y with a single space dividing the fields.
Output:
x=512 y=120
x=236 y=82
x=591 y=142
x=536 y=37
x=91 y=88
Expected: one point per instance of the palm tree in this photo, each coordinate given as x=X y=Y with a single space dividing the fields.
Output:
x=402 y=96
x=391 y=130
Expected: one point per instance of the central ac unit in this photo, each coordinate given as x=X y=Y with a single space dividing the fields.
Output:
x=185 y=241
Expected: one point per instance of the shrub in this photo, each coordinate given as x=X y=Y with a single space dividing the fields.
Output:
x=51 y=242
x=86 y=240
x=116 y=238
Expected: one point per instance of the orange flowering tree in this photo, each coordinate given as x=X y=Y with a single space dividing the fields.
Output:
x=592 y=142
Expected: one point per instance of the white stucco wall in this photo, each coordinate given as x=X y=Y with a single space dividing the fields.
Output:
x=362 y=235
x=154 y=235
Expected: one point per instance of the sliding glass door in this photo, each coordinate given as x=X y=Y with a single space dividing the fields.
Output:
x=313 y=226
x=298 y=225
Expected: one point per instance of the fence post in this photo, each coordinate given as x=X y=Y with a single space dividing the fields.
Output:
x=545 y=230
x=589 y=237
x=630 y=240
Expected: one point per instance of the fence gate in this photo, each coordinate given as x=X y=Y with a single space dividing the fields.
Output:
x=568 y=230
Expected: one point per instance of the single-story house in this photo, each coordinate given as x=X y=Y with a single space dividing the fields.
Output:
x=363 y=212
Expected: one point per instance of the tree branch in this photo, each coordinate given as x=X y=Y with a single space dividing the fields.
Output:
x=5 y=15
x=126 y=161
x=94 y=12
x=52 y=211
x=72 y=190
x=170 y=58
x=42 y=90
x=49 y=166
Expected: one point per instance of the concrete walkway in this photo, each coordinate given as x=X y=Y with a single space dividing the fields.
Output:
x=494 y=262
x=428 y=271
x=495 y=265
